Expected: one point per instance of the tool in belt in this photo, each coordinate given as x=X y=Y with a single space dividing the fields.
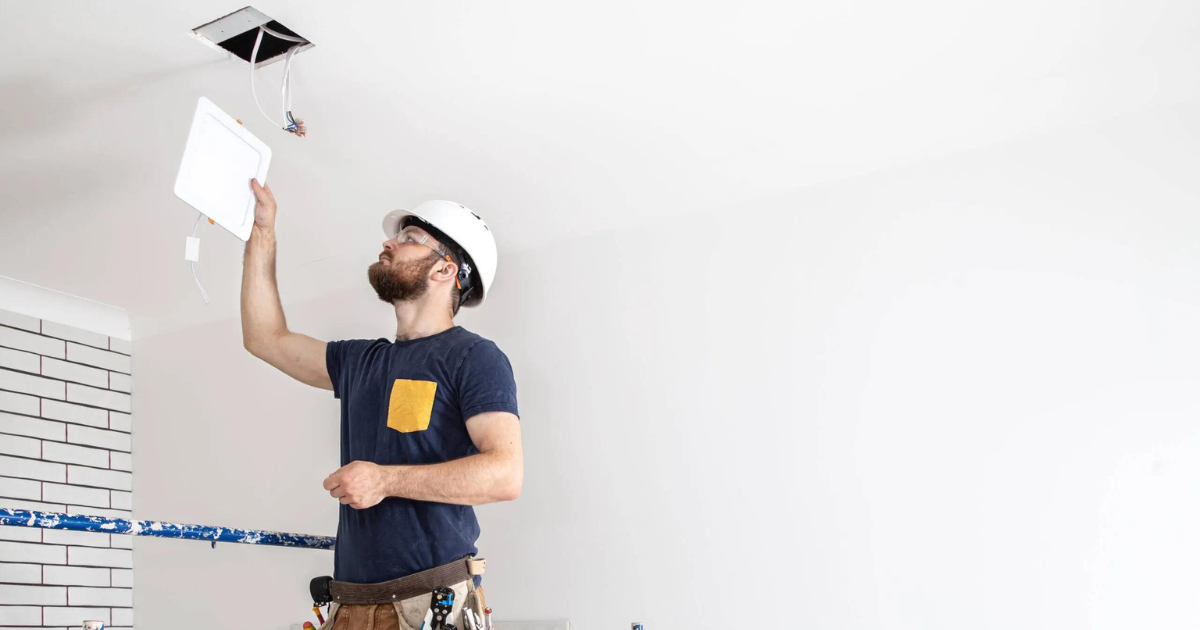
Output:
x=325 y=590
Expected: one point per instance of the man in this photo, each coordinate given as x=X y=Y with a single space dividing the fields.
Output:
x=429 y=424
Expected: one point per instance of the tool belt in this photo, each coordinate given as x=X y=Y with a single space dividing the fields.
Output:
x=421 y=583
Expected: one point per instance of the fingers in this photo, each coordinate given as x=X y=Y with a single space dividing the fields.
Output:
x=344 y=485
x=262 y=193
x=335 y=479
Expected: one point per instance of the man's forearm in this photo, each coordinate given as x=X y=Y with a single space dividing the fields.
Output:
x=473 y=480
x=262 y=312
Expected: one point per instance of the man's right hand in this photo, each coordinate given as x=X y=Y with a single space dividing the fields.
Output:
x=264 y=210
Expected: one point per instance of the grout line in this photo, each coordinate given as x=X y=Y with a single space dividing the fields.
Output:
x=66 y=443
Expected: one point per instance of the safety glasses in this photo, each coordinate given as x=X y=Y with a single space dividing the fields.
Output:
x=414 y=235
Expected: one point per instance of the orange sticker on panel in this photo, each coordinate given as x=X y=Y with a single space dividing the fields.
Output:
x=411 y=405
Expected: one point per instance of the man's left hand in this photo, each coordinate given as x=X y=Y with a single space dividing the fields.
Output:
x=358 y=484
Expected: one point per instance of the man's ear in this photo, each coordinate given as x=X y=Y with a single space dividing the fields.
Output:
x=445 y=270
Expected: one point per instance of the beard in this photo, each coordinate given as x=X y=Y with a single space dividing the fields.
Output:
x=405 y=281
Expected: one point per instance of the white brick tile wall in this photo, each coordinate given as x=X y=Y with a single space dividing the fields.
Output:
x=120 y=461
x=120 y=345
x=84 y=395
x=76 y=414
x=103 y=438
x=95 y=511
x=20 y=361
x=23 y=383
x=120 y=382
x=19 y=489
x=13 y=424
x=13 y=594
x=68 y=454
x=97 y=358
x=73 y=617
x=89 y=557
x=75 y=495
x=86 y=596
x=65 y=446
x=21 y=446
x=62 y=331
x=79 y=576
x=32 y=469
x=121 y=500
x=120 y=421
x=19 y=403
x=30 y=342
x=65 y=371
x=20 y=574
x=111 y=479
x=122 y=577
x=12 y=616
x=21 y=534
x=17 y=320
x=79 y=539
x=26 y=504
x=33 y=552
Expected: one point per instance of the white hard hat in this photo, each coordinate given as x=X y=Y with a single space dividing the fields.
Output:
x=467 y=230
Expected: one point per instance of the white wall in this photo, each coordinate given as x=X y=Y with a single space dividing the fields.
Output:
x=956 y=393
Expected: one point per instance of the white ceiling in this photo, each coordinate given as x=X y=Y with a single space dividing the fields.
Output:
x=551 y=119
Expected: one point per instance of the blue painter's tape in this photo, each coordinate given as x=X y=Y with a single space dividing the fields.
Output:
x=82 y=523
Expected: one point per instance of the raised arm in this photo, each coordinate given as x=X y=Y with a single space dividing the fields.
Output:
x=264 y=329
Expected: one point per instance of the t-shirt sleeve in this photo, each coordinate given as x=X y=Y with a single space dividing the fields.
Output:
x=485 y=382
x=343 y=361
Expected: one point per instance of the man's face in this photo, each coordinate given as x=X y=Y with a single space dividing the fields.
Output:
x=402 y=272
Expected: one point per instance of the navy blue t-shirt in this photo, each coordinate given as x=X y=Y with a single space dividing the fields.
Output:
x=407 y=402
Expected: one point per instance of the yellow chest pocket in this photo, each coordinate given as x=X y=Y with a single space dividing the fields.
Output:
x=411 y=405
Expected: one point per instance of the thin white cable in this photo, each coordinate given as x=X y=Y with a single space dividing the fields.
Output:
x=289 y=38
x=253 y=58
x=192 y=265
x=286 y=95
x=203 y=293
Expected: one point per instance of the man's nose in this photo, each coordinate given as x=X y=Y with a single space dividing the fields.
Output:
x=390 y=244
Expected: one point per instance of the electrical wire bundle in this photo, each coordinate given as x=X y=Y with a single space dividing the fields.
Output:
x=293 y=126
